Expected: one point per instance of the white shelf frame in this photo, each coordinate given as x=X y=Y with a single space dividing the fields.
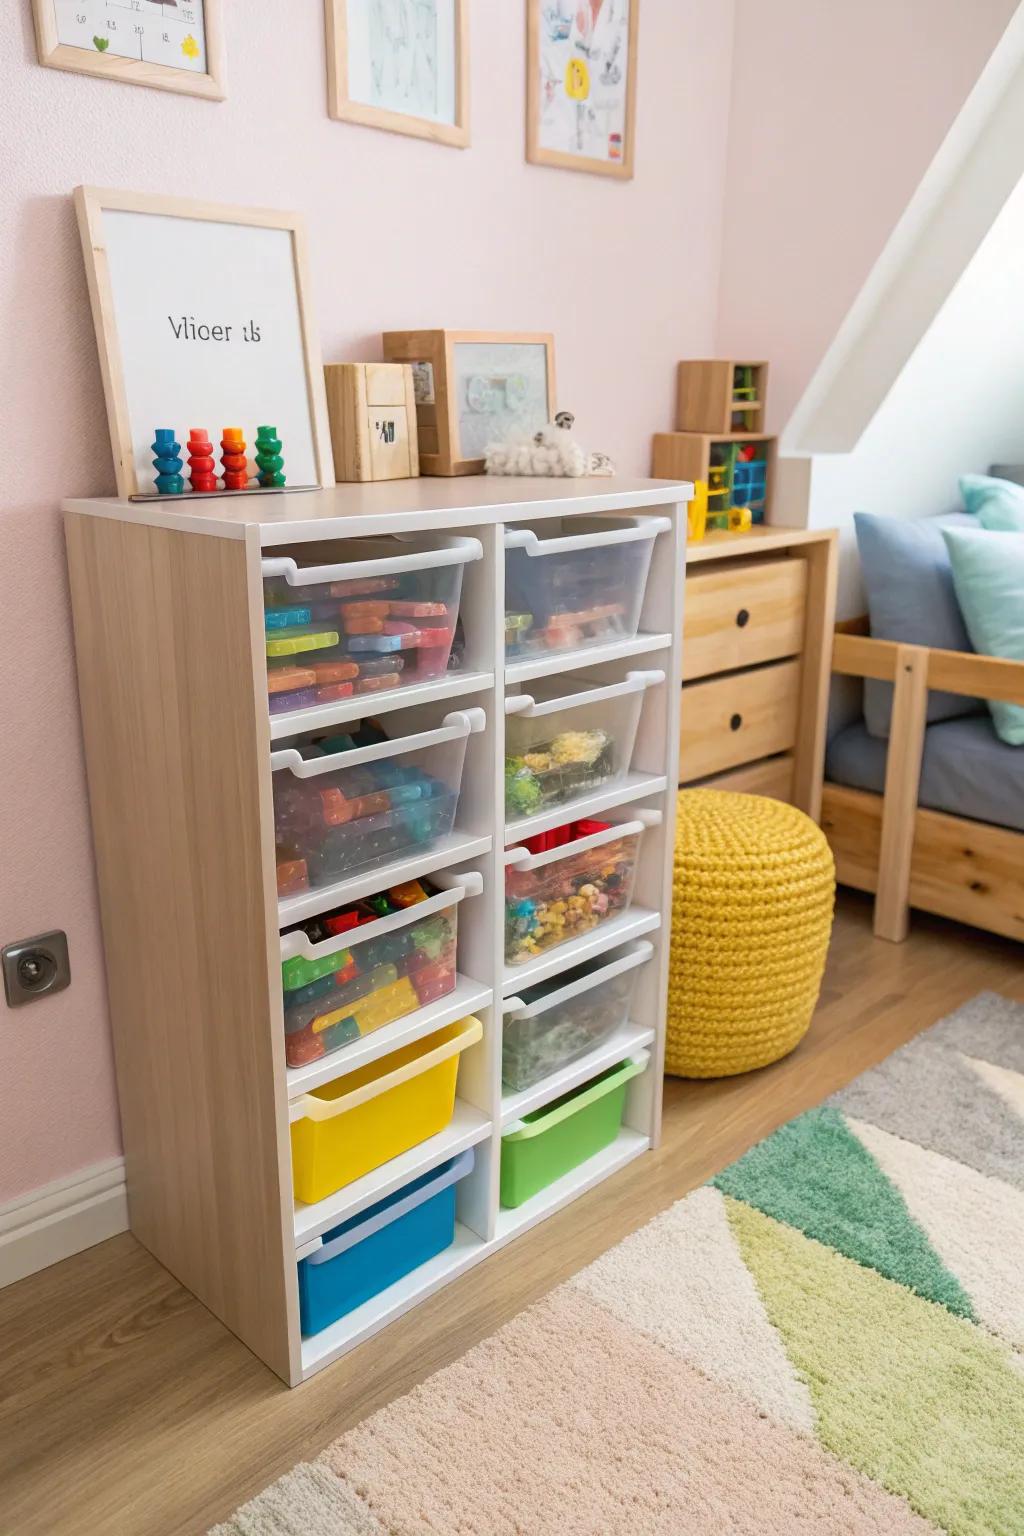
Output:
x=482 y=510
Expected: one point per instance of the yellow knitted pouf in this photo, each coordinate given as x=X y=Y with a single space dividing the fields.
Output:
x=751 y=917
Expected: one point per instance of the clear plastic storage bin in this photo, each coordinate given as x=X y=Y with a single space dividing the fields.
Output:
x=341 y=808
x=556 y=1022
x=374 y=1250
x=566 y=882
x=559 y=745
x=350 y=972
x=565 y=592
x=384 y=618
x=348 y=1127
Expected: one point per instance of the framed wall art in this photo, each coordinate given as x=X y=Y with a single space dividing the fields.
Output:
x=401 y=65
x=473 y=388
x=203 y=319
x=581 y=84
x=172 y=45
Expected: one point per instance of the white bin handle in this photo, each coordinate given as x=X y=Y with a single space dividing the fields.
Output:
x=633 y=682
x=449 y=551
x=636 y=529
x=637 y=954
x=459 y=724
x=292 y=944
x=522 y=859
x=319 y=1252
x=309 y=1107
x=555 y=1114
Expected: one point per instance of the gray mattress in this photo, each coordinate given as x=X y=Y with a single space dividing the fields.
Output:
x=966 y=769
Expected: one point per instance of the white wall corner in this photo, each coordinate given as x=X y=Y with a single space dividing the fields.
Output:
x=61 y=1219
x=976 y=168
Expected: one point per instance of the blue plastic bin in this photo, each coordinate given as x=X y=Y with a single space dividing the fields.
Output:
x=369 y=1252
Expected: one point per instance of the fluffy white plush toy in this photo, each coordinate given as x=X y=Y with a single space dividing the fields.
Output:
x=551 y=451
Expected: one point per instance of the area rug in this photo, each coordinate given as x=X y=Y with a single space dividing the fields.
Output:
x=827 y=1338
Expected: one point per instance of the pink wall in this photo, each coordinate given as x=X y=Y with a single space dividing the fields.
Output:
x=402 y=234
x=837 y=109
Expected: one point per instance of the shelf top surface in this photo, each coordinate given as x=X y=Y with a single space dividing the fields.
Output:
x=394 y=505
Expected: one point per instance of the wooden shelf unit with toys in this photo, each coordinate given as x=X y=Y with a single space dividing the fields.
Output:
x=760 y=600
x=719 y=441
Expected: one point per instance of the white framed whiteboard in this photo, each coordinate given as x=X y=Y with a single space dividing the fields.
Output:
x=173 y=45
x=203 y=319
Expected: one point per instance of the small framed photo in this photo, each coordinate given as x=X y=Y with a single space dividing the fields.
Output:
x=581 y=84
x=172 y=45
x=401 y=65
x=204 y=320
x=472 y=388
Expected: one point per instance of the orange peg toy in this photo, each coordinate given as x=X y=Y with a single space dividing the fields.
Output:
x=236 y=470
x=201 y=467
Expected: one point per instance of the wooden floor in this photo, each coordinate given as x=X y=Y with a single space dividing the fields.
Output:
x=127 y=1410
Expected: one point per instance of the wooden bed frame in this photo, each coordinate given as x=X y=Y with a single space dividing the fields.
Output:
x=909 y=857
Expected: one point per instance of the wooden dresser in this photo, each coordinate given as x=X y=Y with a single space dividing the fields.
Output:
x=757 y=629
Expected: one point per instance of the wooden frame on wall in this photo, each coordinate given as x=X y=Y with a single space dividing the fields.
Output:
x=343 y=107
x=58 y=54
x=435 y=360
x=91 y=203
x=618 y=165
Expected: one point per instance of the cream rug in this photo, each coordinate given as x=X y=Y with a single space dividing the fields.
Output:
x=825 y=1339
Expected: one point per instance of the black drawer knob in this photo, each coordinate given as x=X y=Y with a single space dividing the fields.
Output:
x=735 y=722
x=743 y=618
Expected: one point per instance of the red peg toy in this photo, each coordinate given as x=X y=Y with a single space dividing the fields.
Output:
x=201 y=467
x=236 y=471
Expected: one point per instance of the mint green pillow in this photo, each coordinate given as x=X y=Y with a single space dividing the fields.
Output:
x=988 y=575
x=998 y=504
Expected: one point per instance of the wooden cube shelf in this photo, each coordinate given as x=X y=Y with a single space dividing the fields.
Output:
x=720 y=396
x=693 y=456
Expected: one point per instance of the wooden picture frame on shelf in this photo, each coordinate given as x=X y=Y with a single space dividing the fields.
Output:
x=369 y=77
x=460 y=408
x=227 y=332
x=86 y=37
x=569 y=65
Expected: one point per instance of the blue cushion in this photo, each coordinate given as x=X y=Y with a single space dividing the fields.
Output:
x=997 y=504
x=965 y=769
x=911 y=598
x=988 y=570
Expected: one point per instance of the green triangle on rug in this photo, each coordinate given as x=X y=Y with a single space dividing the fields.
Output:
x=924 y=1403
x=815 y=1175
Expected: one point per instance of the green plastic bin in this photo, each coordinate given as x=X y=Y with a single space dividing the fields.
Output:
x=557 y=1138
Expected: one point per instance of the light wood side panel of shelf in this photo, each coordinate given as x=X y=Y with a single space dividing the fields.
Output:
x=176 y=754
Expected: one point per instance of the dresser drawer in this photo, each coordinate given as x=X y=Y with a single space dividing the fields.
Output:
x=737 y=719
x=743 y=613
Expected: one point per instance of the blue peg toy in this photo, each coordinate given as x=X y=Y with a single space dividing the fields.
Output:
x=166 y=463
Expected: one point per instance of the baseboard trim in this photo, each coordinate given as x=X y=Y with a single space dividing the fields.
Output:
x=63 y=1218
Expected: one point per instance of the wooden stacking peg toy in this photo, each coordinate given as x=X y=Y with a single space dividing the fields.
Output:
x=202 y=470
x=166 y=462
x=268 y=456
x=236 y=468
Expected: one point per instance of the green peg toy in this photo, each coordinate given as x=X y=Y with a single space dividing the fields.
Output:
x=268 y=456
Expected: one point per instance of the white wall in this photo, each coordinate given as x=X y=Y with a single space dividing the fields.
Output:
x=957 y=406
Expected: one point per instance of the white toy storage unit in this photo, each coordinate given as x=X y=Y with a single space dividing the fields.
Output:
x=293 y=704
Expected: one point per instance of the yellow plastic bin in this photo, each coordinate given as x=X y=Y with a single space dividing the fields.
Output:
x=353 y=1125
